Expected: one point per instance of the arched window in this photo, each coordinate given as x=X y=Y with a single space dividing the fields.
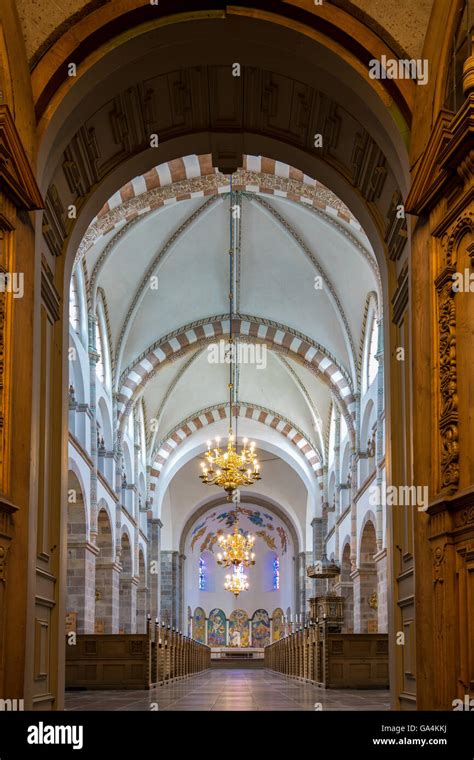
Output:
x=74 y=305
x=207 y=567
x=271 y=572
x=99 y=367
x=276 y=574
x=373 y=364
x=332 y=436
x=202 y=574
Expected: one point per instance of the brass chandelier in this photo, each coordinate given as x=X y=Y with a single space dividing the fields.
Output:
x=228 y=467
x=237 y=549
x=237 y=582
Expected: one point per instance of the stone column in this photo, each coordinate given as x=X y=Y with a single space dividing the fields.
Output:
x=301 y=575
x=337 y=487
x=379 y=440
x=354 y=489
x=179 y=599
x=154 y=567
x=107 y=596
x=171 y=587
x=93 y=358
x=382 y=590
x=81 y=583
x=128 y=603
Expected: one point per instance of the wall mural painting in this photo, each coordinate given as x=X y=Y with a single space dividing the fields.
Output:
x=216 y=626
x=260 y=629
x=239 y=633
x=278 y=625
x=268 y=532
x=199 y=625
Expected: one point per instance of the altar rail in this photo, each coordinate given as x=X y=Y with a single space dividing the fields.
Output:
x=332 y=660
x=133 y=661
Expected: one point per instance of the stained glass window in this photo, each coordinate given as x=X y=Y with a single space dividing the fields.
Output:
x=276 y=574
x=202 y=574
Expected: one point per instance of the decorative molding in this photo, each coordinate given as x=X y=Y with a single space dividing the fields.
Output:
x=400 y=297
x=443 y=168
x=49 y=294
x=292 y=112
x=16 y=176
x=448 y=401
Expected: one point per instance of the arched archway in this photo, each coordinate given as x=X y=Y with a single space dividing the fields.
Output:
x=128 y=588
x=372 y=184
x=346 y=586
x=107 y=579
x=80 y=603
x=365 y=582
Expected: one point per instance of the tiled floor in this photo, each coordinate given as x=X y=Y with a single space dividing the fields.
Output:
x=231 y=690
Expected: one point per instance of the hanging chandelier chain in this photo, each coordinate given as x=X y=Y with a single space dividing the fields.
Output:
x=228 y=467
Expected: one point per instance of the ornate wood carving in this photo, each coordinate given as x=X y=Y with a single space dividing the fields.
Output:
x=448 y=403
x=16 y=178
x=18 y=191
x=198 y=100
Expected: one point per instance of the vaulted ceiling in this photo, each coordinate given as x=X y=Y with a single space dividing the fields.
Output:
x=304 y=271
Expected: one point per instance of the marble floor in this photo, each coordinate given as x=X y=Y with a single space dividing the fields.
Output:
x=231 y=690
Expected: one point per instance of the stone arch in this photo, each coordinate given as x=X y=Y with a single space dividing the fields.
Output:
x=196 y=176
x=277 y=337
x=106 y=598
x=258 y=500
x=80 y=559
x=88 y=183
x=365 y=580
x=207 y=416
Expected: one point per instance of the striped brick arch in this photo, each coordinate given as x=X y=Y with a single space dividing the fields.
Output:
x=277 y=337
x=219 y=412
x=196 y=177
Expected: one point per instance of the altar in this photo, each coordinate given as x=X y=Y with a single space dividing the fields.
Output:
x=228 y=657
